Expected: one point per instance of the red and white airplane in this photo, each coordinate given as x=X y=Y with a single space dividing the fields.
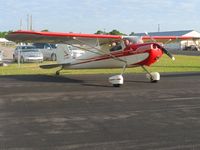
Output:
x=101 y=51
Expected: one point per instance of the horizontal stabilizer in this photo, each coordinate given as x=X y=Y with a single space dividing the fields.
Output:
x=50 y=66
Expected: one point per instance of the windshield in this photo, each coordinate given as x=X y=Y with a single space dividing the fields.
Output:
x=134 y=39
x=53 y=46
x=30 y=50
x=28 y=47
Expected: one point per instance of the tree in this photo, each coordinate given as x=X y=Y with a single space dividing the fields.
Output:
x=132 y=34
x=45 y=30
x=100 y=32
x=113 y=32
x=3 y=34
x=116 y=32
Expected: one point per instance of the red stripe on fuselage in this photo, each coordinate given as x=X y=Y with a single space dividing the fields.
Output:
x=154 y=54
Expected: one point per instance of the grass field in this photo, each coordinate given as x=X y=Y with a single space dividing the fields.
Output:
x=181 y=64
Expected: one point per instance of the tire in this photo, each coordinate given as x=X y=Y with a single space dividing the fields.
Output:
x=116 y=85
x=154 y=81
x=53 y=57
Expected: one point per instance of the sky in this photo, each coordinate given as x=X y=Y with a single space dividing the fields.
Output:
x=88 y=16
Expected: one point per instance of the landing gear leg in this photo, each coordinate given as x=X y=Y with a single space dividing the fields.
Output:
x=117 y=80
x=58 y=71
x=124 y=68
x=153 y=77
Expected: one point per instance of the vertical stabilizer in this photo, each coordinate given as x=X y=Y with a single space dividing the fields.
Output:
x=63 y=54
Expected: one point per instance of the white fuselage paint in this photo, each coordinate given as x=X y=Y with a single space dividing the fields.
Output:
x=80 y=63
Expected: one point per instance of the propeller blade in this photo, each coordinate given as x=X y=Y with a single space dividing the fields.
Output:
x=166 y=52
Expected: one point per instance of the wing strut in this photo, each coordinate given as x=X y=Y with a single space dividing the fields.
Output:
x=113 y=57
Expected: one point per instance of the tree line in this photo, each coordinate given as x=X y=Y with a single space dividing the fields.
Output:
x=3 y=34
x=113 y=32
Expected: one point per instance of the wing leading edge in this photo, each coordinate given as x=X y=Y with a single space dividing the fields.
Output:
x=57 y=37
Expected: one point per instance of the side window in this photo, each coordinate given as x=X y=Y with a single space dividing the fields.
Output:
x=17 y=49
x=116 y=46
x=47 y=46
x=39 y=45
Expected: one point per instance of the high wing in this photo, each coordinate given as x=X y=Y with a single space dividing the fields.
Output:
x=80 y=38
x=57 y=37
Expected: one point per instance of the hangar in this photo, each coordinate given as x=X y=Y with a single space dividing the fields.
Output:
x=178 y=45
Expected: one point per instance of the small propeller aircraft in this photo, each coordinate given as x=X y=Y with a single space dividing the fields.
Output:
x=101 y=51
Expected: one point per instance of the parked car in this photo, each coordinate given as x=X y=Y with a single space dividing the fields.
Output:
x=48 y=50
x=27 y=54
x=191 y=48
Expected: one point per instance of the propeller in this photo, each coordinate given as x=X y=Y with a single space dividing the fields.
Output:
x=166 y=51
x=161 y=47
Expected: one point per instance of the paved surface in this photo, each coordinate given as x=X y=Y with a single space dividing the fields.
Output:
x=86 y=113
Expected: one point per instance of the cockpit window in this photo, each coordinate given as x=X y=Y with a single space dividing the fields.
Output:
x=115 y=46
x=134 y=40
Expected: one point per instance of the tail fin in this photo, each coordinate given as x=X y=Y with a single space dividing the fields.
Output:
x=63 y=54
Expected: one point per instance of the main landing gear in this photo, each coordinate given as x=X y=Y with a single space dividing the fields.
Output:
x=117 y=80
x=153 y=77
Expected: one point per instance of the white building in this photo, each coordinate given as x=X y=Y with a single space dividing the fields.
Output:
x=178 y=45
x=5 y=42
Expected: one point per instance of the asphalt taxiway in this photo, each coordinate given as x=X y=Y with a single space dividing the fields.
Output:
x=84 y=112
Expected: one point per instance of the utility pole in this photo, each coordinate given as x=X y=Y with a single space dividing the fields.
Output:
x=31 y=23
x=104 y=31
x=20 y=25
x=158 y=27
x=27 y=21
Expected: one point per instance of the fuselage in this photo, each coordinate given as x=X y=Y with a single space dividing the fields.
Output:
x=133 y=55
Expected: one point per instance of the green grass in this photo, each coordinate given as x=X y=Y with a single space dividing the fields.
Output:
x=181 y=64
